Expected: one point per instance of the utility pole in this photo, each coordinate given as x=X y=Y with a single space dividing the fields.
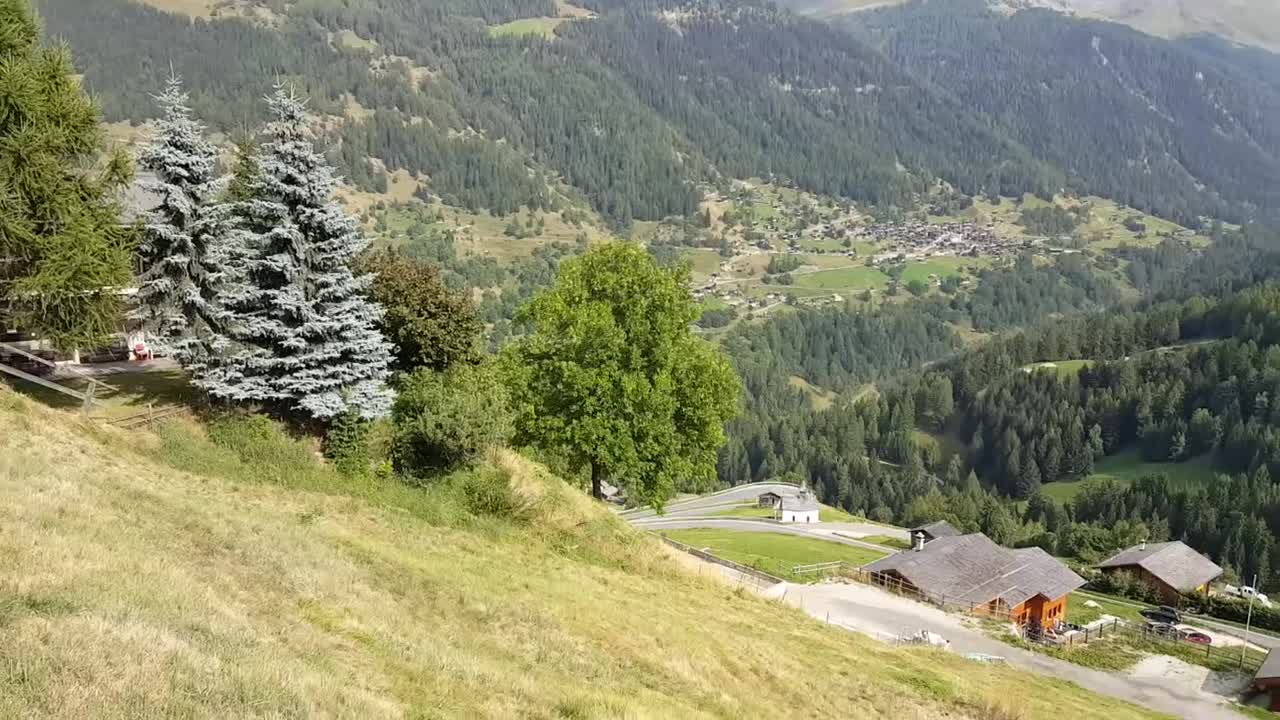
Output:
x=1244 y=647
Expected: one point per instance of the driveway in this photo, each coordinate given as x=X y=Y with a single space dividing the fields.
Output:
x=882 y=615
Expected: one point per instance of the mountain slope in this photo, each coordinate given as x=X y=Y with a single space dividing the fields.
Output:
x=1150 y=123
x=131 y=589
x=1253 y=22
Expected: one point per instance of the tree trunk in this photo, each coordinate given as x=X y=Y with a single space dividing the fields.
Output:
x=597 y=477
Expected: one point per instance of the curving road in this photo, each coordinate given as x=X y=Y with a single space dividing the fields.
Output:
x=708 y=504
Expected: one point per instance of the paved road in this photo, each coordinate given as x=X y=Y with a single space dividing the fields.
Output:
x=818 y=531
x=707 y=504
x=882 y=615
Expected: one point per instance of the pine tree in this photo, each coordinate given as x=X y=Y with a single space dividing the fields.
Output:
x=307 y=332
x=64 y=253
x=180 y=252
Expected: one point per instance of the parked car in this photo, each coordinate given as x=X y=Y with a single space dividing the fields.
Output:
x=1160 y=616
x=1194 y=636
x=1162 y=629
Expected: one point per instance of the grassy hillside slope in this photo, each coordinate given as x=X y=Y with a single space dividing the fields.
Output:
x=130 y=587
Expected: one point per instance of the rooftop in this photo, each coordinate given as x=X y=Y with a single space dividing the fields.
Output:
x=803 y=502
x=1270 y=669
x=973 y=569
x=938 y=529
x=1174 y=563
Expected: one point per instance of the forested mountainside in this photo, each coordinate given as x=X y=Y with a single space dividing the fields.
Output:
x=637 y=108
x=1160 y=125
x=1252 y=22
x=1179 y=388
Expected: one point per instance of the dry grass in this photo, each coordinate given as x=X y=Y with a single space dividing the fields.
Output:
x=129 y=589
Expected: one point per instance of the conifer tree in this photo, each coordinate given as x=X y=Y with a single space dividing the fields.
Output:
x=307 y=333
x=64 y=253
x=180 y=252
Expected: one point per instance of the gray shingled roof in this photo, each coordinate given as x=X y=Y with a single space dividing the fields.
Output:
x=1270 y=669
x=973 y=569
x=798 y=503
x=938 y=529
x=1174 y=563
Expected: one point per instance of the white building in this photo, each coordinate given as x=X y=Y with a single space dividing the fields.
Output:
x=799 y=508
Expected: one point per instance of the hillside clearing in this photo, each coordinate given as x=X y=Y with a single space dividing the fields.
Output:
x=538 y=26
x=1127 y=466
x=133 y=589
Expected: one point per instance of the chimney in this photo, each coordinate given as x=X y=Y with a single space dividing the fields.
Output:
x=1142 y=545
x=919 y=543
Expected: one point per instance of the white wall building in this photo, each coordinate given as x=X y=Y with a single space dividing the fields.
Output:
x=799 y=508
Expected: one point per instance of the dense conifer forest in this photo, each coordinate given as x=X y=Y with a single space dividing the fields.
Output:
x=639 y=106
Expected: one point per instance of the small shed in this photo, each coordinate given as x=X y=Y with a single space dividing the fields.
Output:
x=769 y=500
x=1268 y=678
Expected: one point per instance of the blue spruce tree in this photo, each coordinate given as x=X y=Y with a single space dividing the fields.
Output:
x=305 y=328
x=181 y=249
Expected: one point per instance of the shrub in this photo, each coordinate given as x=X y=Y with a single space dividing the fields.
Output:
x=1124 y=584
x=431 y=325
x=346 y=445
x=445 y=420
x=1234 y=609
x=717 y=318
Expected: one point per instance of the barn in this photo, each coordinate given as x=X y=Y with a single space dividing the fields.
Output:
x=1171 y=568
x=1029 y=586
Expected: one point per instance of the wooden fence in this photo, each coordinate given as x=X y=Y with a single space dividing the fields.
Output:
x=145 y=419
x=86 y=398
x=759 y=577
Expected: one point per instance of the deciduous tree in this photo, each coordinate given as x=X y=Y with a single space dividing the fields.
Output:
x=430 y=325
x=612 y=378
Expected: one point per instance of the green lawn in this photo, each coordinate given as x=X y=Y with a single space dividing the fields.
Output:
x=939 y=266
x=747 y=511
x=704 y=262
x=830 y=514
x=713 y=303
x=1081 y=615
x=1127 y=466
x=889 y=542
x=850 y=278
x=773 y=553
x=544 y=26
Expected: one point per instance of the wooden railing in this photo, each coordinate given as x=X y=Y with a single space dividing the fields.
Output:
x=147 y=418
x=86 y=398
